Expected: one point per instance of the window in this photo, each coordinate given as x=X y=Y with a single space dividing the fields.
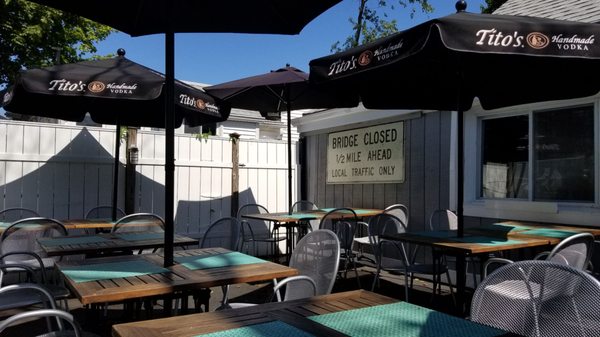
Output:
x=555 y=164
x=206 y=128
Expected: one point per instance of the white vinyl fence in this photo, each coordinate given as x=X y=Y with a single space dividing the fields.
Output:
x=62 y=171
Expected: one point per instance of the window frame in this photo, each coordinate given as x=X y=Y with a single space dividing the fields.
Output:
x=584 y=213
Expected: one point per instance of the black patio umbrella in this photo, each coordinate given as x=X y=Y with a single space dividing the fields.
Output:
x=113 y=91
x=284 y=89
x=443 y=64
x=140 y=17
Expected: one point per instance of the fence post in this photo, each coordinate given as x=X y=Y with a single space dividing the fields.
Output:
x=132 y=160
x=235 y=173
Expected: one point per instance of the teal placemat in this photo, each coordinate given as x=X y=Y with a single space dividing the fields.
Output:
x=217 y=261
x=487 y=240
x=269 y=329
x=63 y=241
x=105 y=271
x=402 y=319
x=301 y=216
x=357 y=211
x=141 y=236
x=551 y=233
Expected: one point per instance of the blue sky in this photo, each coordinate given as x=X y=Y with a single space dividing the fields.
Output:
x=214 y=58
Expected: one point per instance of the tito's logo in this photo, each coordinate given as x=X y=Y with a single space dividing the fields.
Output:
x=537 y=40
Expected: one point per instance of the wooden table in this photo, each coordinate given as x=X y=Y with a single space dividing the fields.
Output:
x=308 y=315
x=108 y=242
x=515 y=229
x=175 y=278
x=290 y=221
x=446 y=242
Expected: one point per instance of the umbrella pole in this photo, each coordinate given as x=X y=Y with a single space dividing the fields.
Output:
x=289 y=145
x=169 y=145
x=460 y=171
x=116 y=173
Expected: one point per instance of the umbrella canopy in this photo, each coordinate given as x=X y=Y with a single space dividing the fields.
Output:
x=284 y=89
x=140 y=17
x=443 y=64
x=113 y=91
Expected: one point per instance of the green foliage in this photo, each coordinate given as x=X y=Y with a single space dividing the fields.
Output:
x=203 y=136
x=491 y=6
x=30 y=35
x=373 y=21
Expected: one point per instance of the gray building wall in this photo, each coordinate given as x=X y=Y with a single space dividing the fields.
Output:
x=426 y=185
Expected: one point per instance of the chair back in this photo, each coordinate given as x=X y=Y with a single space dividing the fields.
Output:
x=343 y=222
x=103 y=212
x=139 y=222
x=253 y=228
x=304 y=205
x=443 y=219
x=400 y=211
x=17 y=213
x=22 y=235
x=574 y=251
x=224 y=232
x=59 y=315
x=317 y=256
x=385 y=223
x=538 y=299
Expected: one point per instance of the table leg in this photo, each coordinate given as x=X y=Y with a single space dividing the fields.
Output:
x=461 y=280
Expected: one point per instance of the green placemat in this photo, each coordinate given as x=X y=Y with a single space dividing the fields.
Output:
x=301 y=216
x=63 y=241
x=551 y=233
x=105 y=271
x=358 y=211
x=269 y=329
x=217 y=261
x=402 y=319
x=141 y=236
x=487 y=240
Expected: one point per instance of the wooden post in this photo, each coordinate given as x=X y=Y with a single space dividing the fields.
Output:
x=235 y=173
x=132 y=158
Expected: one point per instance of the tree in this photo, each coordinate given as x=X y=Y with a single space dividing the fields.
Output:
x=492 y=5
x=373 y=22
x=32 y=36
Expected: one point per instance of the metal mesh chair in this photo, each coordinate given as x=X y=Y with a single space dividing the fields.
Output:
x=392 y=256
x=446 y=220
x=258 y=231
x=574 y=251
x=225 y=233
x=343 y=222
x=103 y=212
x=305 y=225
x=316 y=257
x=400 y=211
x=139 y=222
x=17 y=213
x=539 y=298
x=59 y=315
x=22 y=236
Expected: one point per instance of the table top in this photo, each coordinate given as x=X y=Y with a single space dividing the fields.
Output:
x=352 y=313
x=515 y=229
x=469 y=244
x=119 y=278
x=316 y=214
x=107 y=242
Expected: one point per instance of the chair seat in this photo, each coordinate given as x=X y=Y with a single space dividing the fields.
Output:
x=516 y=289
